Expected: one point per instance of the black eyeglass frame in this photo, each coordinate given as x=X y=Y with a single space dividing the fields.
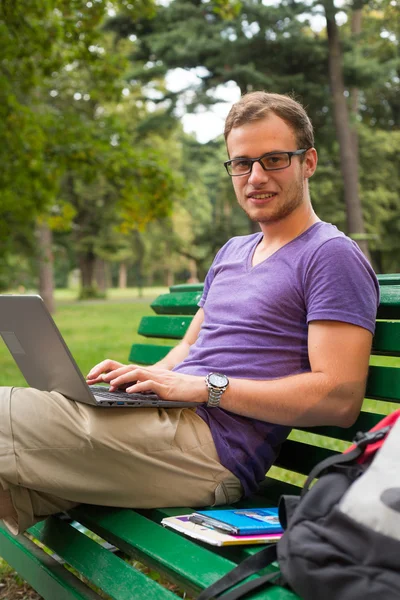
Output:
x=227 y=163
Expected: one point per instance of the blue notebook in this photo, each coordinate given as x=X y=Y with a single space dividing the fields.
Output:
x=240 y=521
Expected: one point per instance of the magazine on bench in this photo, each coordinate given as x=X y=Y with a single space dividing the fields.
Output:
x=216 y=537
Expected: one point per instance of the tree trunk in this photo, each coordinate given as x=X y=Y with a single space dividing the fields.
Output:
x=150 y=277
x=348 y=160
x=139 y=247
x=100 y=274
x=169 y=277
x=87 y=262
x=356 y=25
x=122 y=275
x=46 y=261
x=194 y=278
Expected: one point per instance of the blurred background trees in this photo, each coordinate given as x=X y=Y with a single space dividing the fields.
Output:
x=97 y=172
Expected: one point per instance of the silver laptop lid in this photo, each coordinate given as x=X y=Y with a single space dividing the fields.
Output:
x=40 y=352
x=45 y=361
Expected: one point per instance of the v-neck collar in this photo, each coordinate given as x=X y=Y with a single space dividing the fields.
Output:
x=250 y=266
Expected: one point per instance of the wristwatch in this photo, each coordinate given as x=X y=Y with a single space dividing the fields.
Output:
x=217 y=384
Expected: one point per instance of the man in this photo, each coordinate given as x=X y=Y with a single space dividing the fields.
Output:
x=282 y=338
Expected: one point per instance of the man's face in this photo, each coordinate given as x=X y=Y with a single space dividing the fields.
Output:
x=269 y=196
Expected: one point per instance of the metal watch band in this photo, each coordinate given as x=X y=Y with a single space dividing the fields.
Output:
x=214 y=391
x=214 y=396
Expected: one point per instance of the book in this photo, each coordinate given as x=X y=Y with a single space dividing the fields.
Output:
x=240 y=521
x=213 y=536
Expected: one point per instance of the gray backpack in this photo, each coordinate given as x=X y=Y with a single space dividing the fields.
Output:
x=342 y=536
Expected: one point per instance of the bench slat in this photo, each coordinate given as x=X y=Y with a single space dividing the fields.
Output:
x=186 y=563
x=389 y=307
x=364 y=422
x=41 y=571
x=164 y=326
x=180 y=303
x=146 y=354
x=301 y=458
x=389 y=279
x=384 y=384
x=387 y=338
x=98 y=565
x=186 y=287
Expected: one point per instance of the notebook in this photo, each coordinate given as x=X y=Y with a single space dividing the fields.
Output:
x=215 y=537
x=45 y=361
x=240 y=521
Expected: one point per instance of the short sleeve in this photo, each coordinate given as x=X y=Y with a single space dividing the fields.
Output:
x=340 y=285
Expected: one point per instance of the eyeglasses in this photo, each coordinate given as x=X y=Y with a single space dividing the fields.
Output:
x=271 y=161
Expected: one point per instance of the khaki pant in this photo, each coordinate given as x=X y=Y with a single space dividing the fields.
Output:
x=56 y=453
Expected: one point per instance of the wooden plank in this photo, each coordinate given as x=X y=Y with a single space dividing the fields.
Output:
x=389 y=279
x=301 y=458
x=387 y=338
x=384 y=383
x=47 y=576
x=179 y=303
x=389 y=307
x=105 y=570
x=364 y=422
x=182 y=560
x=147 y=354
x=164 y=327
x=186 y=287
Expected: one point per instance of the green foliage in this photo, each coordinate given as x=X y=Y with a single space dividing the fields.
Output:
x=118 y=182
x=380 y=182
x=69 y=118
x=372 y=62
x=253 y=47
x=274 y=47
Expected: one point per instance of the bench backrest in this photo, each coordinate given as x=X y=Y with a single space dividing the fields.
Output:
x=303 y=449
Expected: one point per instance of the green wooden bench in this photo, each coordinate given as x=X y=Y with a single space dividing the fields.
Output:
x=138 y=534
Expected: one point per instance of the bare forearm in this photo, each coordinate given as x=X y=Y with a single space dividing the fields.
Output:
x=307 y=399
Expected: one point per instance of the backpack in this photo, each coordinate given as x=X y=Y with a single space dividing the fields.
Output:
x=341 y=538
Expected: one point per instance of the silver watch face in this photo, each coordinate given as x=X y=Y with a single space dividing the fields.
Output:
x=218 y=380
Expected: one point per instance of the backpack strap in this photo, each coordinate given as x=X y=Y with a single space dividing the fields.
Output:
x=254 y=584
x=249 y=566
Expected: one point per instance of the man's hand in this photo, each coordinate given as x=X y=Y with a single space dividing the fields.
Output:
x=167 y=384
x=105 y=371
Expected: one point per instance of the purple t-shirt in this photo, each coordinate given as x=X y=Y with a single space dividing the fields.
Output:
x=256 y=325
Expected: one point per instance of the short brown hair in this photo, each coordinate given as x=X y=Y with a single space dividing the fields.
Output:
x=254 y=106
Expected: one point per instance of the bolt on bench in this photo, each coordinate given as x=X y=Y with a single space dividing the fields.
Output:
x=138 y=535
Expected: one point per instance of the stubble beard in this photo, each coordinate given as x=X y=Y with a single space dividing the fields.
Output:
x=294 y=198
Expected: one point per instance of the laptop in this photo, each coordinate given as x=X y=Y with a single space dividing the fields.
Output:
x=45 y=361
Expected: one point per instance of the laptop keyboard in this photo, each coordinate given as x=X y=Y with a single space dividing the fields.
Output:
x=103 y=392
